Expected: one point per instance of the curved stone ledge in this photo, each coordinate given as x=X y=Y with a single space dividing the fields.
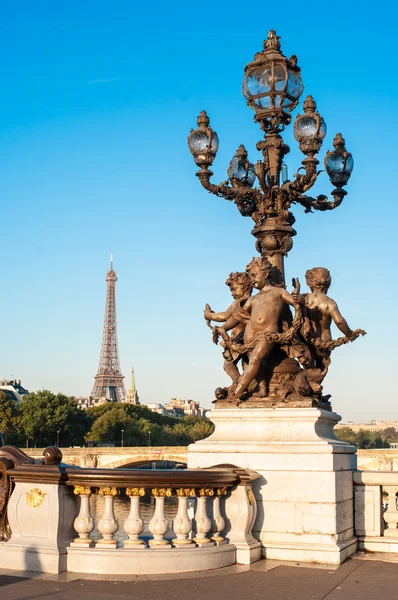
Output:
x=123 y=561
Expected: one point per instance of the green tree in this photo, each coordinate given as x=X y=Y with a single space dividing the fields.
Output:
x=345 y=434
x=190 y=429
x=9 y=419
x=108 y=420
x=43 y=413
x=108 y=427
x=160 y=436
x=364 y=439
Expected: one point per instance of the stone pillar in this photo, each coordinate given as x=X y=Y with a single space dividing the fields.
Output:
x=304 y=496
x=159 y=524
x=202 y=519
x=218 y=521
x=134 y=525
x=182 y=524
x=84 y=522
x=108 y=524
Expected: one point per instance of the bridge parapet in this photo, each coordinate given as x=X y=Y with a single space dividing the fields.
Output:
x=111 y=457
x=212 y=527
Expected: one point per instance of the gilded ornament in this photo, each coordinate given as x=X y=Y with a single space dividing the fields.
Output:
x=34 y=498
x=186 y=492
x=250 y=497
x=162 y=492
x=109 y=491
x=221 y=491
x=81 y=490
x=206 y=492
x=135 y=491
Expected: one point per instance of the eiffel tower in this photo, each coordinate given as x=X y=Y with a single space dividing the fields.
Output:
x=109 y=385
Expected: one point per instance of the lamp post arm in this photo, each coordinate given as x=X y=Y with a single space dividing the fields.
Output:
x=245 y=198
x=321 y=202
x=301 y=183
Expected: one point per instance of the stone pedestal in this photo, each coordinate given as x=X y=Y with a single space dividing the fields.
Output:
x=41 y=518
x=305 y=506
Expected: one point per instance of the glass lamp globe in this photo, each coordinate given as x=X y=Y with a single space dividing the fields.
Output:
x=203 y=142
x=339 y=163
x=272 y=84
x=309 y=128
x=240 y=169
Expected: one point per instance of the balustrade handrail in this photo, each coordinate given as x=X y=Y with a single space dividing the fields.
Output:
x=375 y=477
x=168 y=478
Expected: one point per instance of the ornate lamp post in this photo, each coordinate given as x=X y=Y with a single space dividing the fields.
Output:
x=272 y=86
x=277 y=345
x=283 y=358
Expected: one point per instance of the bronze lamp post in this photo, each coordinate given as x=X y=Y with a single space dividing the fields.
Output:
x=272 y=86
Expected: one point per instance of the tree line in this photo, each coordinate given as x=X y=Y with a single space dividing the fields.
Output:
x=368 y=439
x=43 y=418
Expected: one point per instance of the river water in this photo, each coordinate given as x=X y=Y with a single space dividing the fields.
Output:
x=122 y=509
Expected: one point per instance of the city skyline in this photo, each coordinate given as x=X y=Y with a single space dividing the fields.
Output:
x=93 y=163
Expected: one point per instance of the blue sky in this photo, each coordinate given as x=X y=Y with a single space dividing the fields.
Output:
x=97 y=102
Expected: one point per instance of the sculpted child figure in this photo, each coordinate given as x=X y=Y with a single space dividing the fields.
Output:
x=262 y=314
x=241 y=289
x=320 y=311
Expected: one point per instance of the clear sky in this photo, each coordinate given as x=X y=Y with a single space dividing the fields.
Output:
x=96 y=104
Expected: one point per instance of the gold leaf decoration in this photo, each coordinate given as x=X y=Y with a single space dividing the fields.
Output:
x=34 y=498
x=135 y=491
x=186 y=492
x=81 y=490
x=109 y=491
x=162 y=492
x=206 y=492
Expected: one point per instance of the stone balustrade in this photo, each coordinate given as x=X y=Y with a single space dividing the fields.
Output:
x=48 y=525
x=214 y=517
x=376 y=510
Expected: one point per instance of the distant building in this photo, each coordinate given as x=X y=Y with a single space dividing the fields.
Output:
x=178 y=407
x=368 y=425
x=184 y=407
x=156 y=408
x=83 y=402
x=13 y=388
x=132 y=394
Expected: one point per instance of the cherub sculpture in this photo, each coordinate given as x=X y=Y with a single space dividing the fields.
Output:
x=262 y=314
x=319 y=312
x=241 y=289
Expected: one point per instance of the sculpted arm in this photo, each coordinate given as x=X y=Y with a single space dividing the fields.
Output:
x=339 y=320
x=292 y=299
x=219 y=317
x=230 y=324
x=234 y=320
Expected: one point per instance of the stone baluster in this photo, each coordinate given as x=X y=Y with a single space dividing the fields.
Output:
x=391 y=514
x=182 y=524
x=218 y=522
x=159 y=525
x=108 y=524
x=84 y=523
x=202 y=520
x=134 y=525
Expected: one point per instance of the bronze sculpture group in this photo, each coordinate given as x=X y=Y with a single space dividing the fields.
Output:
x=264 y=335
x=274 y=357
